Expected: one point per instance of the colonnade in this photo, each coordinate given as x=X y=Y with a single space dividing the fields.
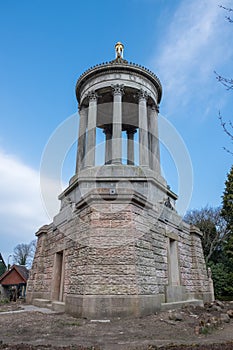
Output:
x=147 y=126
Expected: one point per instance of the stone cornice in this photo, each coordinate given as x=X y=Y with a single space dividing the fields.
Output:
x=43 y=230
x=122 y=195
x=90 y=175
x=118 y=67
x=194 y=230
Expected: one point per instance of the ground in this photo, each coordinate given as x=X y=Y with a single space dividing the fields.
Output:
x=195 y=328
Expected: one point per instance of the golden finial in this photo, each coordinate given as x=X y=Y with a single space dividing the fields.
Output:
x=119 y=47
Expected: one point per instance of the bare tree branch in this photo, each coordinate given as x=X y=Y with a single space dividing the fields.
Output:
x=228 y=83
x=226 y=130
x=226 y=8
x=229 y=9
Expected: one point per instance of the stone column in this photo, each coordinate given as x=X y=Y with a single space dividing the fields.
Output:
x=143 y=129
x=108 y=144
x=117 y=124
x=130 y=145
x=154 y=150
x=81 y=138
x=91 y=130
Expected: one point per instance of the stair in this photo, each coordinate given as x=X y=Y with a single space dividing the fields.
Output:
x=42 y=303
x=180 y=304
x=58 y=306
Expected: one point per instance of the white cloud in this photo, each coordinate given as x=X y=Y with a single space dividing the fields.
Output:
x=21 y=208
x=29 y=197
x=196 y=43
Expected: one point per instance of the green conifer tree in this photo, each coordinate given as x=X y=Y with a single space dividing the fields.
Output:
x=227 y=213
x=227 y=202
x=2 y=265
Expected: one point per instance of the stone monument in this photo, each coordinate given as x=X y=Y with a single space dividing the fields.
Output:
x=118 y=247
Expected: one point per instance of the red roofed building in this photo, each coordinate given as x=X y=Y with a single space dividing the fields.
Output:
x=14 y=281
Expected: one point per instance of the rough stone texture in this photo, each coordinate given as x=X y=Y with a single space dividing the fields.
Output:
x=117 y=254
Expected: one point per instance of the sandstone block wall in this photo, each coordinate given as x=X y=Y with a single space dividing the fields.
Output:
x=118 y=249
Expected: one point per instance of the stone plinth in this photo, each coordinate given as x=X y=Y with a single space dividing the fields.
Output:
x=116 y=257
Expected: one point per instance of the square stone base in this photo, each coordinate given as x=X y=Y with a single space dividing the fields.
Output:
x=175 y=294
x=104 y=306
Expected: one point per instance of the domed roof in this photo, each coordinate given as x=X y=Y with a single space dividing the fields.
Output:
x=118 y=65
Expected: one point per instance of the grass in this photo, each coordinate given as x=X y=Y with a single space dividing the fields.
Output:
x=4 y=301
x=67 y=323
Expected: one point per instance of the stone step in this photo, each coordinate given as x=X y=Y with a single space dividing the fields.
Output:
x=58 y=306
x=42 y=303
x=180 y=304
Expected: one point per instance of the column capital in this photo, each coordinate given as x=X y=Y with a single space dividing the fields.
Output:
x=142 y=95
x=117 y=89
x=92 y=95
x=155 y=107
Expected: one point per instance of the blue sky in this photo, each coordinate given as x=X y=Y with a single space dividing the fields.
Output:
x=46 y=45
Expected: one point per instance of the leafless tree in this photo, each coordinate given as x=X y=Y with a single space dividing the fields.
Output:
x=213 y=227
x=23 y=253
